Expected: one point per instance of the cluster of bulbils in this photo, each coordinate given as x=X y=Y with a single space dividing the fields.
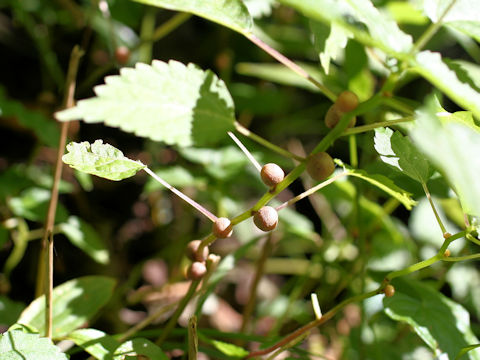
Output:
x=319 y=166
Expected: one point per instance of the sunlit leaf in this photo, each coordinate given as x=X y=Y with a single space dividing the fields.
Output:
x=74 y=303
x=95 y=342
x=167 y=102
x=229 y=13
x=100 y=159
x=443 y=324
x=398 y=151
x=16 y=345
x=140 y=346
x=229 y=349
x=383 y=183
x=86 y=238
x=452 y=147
x=259 y=8
x=451 y=82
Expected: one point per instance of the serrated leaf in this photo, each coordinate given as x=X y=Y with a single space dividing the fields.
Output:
x=86 y=238
x=74 y=303
x=453 y=148
x=169 y=102
x=329 y=46
x=140 y=346
x=431 y=66
x=397 y=150
x=229 y=13
x=383 y=183
x=100 y=159
x=229 y=349
x=383 y=30
x=443 y=324
x=16 y=345
x=95 y=342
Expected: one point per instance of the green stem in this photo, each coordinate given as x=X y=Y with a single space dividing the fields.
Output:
x=244 y=131
x=291 y=65
x=181 y=306
x=181 y=195
x=365 y=128
x=352 y=142
x=311 y=191
x=192 y=338
x=462 y=258
x=312 y=324
x=146 y=32
x=431 y=31
x=437 y=216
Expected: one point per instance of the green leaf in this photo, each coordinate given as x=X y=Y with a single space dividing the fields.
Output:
x=229 y=349
x=32 y=204
x=95 y=342
x=397 y=150
x=9 y=311
x=140 y=346
x=329 y=47
x=466 y=350
x=74 y=303
x=443 y=324
x=405 y=13
x=86 y=238
x=431 y=66
x=44 y=128
x=384 y=31
x=101 y=159
x=167 y=102
x=452 y=148
x=223 y=163
x=280 y=74
x=259 y=8
x=16 y=345
x=229 y=13
x=383 y=183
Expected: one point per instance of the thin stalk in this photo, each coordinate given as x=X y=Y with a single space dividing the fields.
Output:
x=181 y=195
x=437 y=216
x=147 y=321
x=292 y=66
x=259 y=271
x=181 y=306
x=365 y=128
x=399 y=105
x=244 y=131
x=166 y=28
x=312 y=324
x=462 y=258
x=311 y=191
x=192 y=338
x=47 y=240
x=247 y=153
x=146 y=32
x=352 y=142
x=431 y=31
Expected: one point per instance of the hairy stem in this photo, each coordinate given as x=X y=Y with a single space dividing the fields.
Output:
x=244 y=131
x=181 y=195
x=291 y=65
x=247 y=153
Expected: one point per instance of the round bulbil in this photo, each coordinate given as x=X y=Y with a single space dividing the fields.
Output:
x=192 y=251
x=196 y=270
x=320 y=166
x=266 y=219
x=271 y=174
x=222 y=228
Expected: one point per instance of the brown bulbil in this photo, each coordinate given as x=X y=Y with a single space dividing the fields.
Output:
x=192 y=251
x=266 y=219
x=122 y=54
x=346 y=101
x=320 y=166
x=334 y=115
x=389 y=290
x=271 y=174
x=196 y=270
x=222 y=228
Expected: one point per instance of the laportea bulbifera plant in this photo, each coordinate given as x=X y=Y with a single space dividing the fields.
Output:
x=397 y=150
